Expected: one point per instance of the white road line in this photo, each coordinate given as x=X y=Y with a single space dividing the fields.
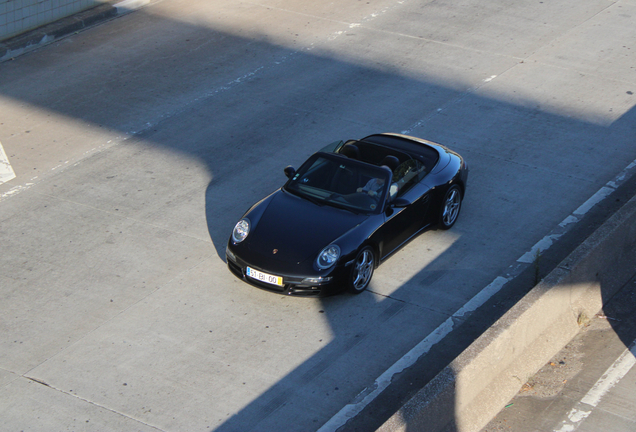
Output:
x=594 y=199
x=600 y=195
x=605 y=383
x=364 y=398
x=540 y=246
x=130 y=5
x=6 y=171
x=370 y=393
x=612 y=376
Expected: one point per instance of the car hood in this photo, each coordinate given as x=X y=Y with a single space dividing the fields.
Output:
x=298 y=229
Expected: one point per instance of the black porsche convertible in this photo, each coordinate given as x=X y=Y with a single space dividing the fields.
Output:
x=345 y=210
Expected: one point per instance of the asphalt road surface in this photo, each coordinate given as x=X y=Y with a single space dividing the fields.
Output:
x=137 y=144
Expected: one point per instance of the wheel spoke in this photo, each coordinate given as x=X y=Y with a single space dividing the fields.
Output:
x=363 y=270
x=451 y=207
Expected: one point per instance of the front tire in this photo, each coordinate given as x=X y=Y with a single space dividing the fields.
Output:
x=362 y=270
x=451 y=205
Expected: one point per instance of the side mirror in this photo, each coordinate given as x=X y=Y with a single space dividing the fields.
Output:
x=400 y=202
x=289 y=171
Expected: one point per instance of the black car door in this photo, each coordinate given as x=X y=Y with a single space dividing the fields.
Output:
x=401 y=223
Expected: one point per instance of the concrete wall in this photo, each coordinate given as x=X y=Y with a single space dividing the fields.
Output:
x=19 y=16
x=469 y=392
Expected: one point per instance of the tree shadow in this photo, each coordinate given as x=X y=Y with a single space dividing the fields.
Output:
x=170 y=95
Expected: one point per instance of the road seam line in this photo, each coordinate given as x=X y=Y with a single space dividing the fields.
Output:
x=39 y=381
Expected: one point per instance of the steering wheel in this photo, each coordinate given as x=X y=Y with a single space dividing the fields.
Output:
x=362 y=200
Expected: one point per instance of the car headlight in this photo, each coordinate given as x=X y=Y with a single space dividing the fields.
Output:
x=328 y=257
x=241 y=230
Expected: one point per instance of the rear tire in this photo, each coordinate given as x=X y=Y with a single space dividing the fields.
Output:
x=362 y=270
x=451 y=205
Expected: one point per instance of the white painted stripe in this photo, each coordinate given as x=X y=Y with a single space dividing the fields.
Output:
x=482 y=297
x=605 y=383
x=542 y=245
x=594 y=199
x=568 y=220
x=575 y=416
x=368 y=395
x=409 y=359
x=612 y=376
x=130 y=5
x=6 y=171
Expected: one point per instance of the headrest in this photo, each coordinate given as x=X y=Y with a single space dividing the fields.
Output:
x=391 y=161
x=351 y=151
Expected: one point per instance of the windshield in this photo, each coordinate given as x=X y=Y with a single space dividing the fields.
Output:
x=341 y=182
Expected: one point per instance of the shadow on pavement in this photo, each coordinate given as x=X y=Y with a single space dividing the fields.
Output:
x=172 y=93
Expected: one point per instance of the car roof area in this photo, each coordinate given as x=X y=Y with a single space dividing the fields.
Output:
x=374 y=148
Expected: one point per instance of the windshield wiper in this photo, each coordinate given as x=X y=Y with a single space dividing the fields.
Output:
x=304 y=196
x=342 y=206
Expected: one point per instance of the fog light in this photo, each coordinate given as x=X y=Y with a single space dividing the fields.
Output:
x=316 y=280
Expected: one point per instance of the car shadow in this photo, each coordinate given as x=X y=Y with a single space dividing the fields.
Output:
x=261 y=122
x=281 y=400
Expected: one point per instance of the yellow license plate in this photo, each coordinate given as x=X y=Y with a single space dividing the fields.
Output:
x=264 y=277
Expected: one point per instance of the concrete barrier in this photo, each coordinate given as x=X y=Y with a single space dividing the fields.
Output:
x=469 y=392
x=49 y=33
x=17 y=17
x=30 y=40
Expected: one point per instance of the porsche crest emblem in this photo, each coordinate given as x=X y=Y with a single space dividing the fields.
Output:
x=275 y=251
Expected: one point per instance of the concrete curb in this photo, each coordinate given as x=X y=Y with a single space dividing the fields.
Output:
x=21 y=44
x=470 y=391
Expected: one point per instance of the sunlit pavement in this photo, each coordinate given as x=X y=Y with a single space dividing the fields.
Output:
x=137 y=144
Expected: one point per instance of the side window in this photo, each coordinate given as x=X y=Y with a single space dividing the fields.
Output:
x=333 y=147
x=407 y=174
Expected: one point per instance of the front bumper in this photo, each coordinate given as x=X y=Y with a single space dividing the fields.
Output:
x=296 y=285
